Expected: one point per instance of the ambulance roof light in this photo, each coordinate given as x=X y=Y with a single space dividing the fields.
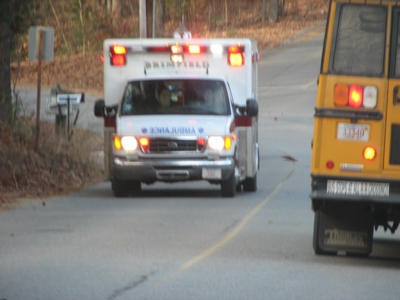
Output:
x=118 y=56
x=194 y=49
x=235 y=55
x=119 y=49
x=216 y=49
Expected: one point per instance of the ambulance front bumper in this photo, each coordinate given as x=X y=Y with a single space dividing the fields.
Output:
x=173 y=169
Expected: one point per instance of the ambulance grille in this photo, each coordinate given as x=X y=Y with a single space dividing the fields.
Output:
x=395 y=145
x=171 y=145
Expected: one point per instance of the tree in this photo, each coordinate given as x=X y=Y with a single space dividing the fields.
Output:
x=276 y=9
x=5 y=73
x=14 y=19
x=160 y=17
x=116 y=11
x=264 y=10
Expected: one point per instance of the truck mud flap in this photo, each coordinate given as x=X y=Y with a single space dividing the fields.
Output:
x=343 y=227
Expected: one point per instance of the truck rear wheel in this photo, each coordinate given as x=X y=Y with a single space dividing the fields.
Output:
x=250 y=184
x=228 y=186
x=120 y=188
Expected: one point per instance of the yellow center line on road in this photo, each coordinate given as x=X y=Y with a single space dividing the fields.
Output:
x=237 y=229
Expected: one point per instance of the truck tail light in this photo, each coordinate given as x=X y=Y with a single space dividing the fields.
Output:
x=118 y=56
x=355 y=96
x=341 y=94
x=369 y=153
x=370 y=96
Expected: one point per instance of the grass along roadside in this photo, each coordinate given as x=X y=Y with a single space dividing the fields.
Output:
x=59 y=166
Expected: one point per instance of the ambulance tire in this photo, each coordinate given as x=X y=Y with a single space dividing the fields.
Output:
x=135 y=186
x=120 y=188
x=250 y=184
x=317 y=227
x=228 y=186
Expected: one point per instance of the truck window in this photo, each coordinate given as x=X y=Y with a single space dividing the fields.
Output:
x=359 y=48
x=182 y=97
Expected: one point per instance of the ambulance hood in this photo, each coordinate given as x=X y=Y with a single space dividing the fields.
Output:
x=173 y=125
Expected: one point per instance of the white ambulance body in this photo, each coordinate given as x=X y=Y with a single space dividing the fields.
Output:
x=180 y=110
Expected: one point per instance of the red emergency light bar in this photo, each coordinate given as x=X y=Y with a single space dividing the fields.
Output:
x=235 y=55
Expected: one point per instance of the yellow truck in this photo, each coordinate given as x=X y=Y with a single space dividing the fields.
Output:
x=355 y=172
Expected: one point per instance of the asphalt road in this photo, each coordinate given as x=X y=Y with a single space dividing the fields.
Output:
x=183 y=241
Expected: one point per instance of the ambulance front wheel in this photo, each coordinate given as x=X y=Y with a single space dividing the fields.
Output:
x=135 y=186
x=228 y=186
x=120 y=188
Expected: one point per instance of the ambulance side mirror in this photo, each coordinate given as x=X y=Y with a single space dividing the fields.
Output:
x=99 y=108
x=251 y=107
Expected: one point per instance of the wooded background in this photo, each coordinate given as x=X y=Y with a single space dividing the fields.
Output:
x=82 y=25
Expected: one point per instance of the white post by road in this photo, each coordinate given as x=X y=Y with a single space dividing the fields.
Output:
x=142 y=19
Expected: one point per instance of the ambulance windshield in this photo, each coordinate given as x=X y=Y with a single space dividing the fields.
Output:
x=175 y=97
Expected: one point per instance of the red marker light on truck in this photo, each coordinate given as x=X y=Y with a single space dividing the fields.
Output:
x=118 y=56
x=330 y=164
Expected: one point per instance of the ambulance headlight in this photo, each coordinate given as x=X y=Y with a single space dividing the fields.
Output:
x=129 y=143
x=216 y=142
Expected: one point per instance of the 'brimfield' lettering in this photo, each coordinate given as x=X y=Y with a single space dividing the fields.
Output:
x=169 y=64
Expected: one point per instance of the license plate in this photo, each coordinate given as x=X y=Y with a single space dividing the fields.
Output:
x=353 y=132
x=211 y=173
x=357 y=188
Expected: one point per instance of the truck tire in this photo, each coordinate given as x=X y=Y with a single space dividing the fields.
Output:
x=317 y=248
x=120 y=188
x=228 y=186
x=250 y=184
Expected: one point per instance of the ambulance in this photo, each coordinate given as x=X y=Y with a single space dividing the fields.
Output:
x=180 y=110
